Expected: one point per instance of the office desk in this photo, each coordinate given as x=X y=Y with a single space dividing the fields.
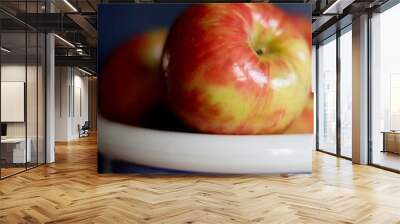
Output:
x=15 y=148
x=391 y=141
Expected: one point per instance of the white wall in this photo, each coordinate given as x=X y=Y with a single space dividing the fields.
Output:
x=12 y=73
x=80 y=102
x=62 y=81
x=70 y=84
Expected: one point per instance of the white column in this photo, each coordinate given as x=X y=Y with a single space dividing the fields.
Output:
x=50 y=99
x=63 y=100
x=50 y=92
x=360 y=90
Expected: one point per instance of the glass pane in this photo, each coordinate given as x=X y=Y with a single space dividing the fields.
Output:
x=385 y=86
x=41 y=98
x=14 y=153
x=31 y=97
x=327 y=96
x=31 y=86
x=346 y=94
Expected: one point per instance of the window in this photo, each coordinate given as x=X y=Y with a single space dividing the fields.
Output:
x=22 y=77
x=327 y=95
x=385 y=89
x=346 y=92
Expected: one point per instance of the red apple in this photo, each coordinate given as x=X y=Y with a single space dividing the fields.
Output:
x=304 y=25
x=304 y=123
x=237 y=68
x=131 y=83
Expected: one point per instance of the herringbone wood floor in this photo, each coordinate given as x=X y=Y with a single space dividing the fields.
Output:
x=70 y=191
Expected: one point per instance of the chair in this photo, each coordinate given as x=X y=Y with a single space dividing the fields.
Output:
x=84 y=130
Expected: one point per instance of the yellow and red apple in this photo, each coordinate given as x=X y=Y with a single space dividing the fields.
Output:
x=304 y=123
x=131 y=83
x=237 y=68
x=304 y=26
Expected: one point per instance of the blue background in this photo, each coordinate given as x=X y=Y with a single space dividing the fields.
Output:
x=118 y=23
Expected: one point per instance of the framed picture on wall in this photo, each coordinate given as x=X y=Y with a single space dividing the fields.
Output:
x=12 y=101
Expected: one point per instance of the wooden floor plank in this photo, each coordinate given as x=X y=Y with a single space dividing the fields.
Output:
x=71 y=191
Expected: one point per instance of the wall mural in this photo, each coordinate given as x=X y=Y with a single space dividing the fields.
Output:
x=205 y=88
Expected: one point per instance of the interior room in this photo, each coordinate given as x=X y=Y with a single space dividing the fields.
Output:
x=71 y=100
x=22 y=105
x=55 y=133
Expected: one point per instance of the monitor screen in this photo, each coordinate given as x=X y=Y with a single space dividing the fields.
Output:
x=3 y=129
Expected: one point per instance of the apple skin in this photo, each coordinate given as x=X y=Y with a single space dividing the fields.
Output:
x=131 y=83
x=303 y=25
x=304 y=123
x=237 y=68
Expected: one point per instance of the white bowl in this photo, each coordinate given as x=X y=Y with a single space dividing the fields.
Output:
x=206 y=153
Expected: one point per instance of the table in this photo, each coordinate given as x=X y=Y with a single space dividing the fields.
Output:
x=16 y=147
x=391 y=141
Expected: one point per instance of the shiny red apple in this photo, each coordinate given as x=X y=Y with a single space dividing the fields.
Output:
x=131 y=83
x=237 y=68
x=304 y=123
x=304 y=25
